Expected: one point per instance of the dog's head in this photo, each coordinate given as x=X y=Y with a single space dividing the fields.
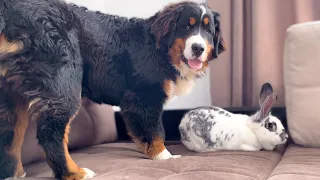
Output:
x=192 y=34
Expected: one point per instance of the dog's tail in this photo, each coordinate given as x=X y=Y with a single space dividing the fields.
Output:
x=2 y=8
x=8 y=46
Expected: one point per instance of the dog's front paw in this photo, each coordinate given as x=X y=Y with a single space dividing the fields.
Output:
x=82 y=173
x=22 y=176
x=176 y=156
x=89 y=173
x=165 y=154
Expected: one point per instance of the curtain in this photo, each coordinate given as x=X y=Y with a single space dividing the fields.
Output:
x=254 y=31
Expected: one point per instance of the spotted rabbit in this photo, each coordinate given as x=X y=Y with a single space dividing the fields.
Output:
x=213 y=128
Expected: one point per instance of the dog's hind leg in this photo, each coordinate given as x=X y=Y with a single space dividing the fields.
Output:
x=53 y=105
x=13 y=124
x=53 y=115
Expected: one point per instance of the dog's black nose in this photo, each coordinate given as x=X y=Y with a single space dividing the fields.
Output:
x=197 y=49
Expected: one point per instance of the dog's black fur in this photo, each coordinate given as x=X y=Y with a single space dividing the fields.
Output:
x=52 y=53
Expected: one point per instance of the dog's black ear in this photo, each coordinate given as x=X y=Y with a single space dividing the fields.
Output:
x=164 y=24
x=218 y=42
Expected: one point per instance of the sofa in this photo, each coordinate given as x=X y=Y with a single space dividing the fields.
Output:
x=98 y=139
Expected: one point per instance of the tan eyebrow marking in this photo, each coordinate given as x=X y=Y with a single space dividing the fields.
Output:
x=192 y=21
x=206 y=20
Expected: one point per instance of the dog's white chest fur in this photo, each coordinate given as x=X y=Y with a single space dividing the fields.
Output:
x=181 y=87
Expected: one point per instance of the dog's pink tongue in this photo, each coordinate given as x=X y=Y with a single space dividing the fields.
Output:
x=195 y=64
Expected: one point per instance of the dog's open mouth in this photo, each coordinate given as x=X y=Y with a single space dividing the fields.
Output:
x=195 y=64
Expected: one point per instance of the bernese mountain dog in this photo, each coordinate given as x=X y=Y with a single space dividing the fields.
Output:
x=52 y=54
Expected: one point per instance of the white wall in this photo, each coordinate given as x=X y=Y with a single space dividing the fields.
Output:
x=200 y=95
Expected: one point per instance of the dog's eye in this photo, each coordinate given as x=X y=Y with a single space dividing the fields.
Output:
x=208 y=30
x=187 y=27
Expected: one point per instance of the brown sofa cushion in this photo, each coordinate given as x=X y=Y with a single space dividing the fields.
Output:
x=94 y=124
x=302 y=85
x=298 y=163
x=123 y=161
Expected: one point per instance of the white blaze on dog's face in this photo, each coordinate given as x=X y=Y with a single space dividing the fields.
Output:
x=194 y=51
x=197 y=45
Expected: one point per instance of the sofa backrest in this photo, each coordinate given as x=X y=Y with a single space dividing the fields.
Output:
x=302 y=82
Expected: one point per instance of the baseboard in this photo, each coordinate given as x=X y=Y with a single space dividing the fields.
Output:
x=171 y=120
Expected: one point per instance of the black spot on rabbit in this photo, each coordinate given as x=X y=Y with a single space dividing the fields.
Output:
x=271 y=126
x=192 y=113
x=215 y=109
x=226 y=137
x=283 y=135
x=217 y=139
x=203 y=108
x=184 y=136
x=221 y=143
x=188 y=126
x=202 y=128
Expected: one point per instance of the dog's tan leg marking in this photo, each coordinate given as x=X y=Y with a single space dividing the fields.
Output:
x=9 y=47
x=22 y=121
x=156 y=150
x=76 y=173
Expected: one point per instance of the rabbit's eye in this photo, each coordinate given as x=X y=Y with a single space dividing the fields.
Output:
x=271 y=126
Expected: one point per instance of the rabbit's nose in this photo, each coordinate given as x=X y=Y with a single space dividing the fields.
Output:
x=284 y=136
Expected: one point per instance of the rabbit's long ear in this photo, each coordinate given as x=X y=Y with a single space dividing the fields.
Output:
x=267 y=99
x=266 y=90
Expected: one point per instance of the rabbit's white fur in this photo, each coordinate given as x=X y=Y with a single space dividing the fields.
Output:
x=213 y=128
